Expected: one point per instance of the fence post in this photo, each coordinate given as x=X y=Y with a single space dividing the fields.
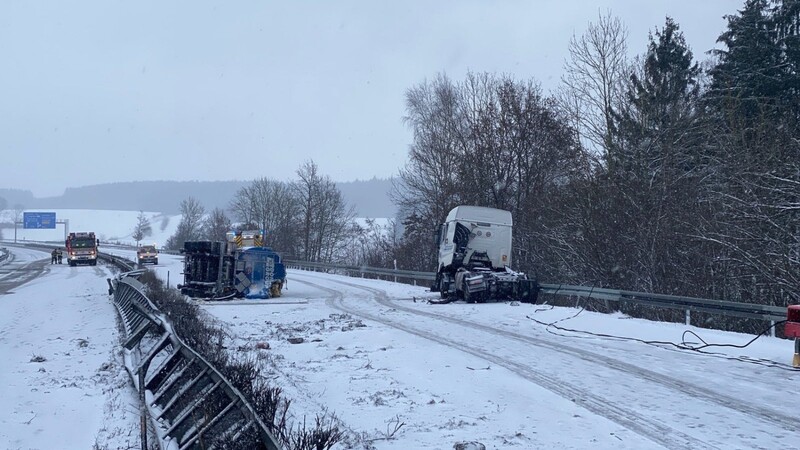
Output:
x=143 y=410
x=688 y=317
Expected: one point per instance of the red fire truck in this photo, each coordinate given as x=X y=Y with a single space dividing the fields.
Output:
x=82 y=248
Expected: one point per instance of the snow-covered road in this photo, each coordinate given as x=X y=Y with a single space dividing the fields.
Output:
x=21 y=266
x=60 y=383
x=600 y=375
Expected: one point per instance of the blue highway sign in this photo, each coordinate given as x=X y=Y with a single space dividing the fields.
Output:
x=39 y=220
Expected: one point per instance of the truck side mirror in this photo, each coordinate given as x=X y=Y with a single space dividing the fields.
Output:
x=98 y=242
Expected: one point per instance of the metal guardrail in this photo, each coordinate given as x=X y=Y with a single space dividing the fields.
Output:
x=688 y=304
x=734 y=309
x=191 y=405
x=361 y=270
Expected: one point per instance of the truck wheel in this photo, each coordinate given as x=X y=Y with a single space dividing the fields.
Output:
x=443 y=287
x=468 y=297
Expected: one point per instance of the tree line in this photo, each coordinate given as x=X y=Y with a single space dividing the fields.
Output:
x=651 y=174
x=306 y=219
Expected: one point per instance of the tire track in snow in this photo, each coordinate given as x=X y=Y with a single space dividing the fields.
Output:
x=14 y=275
x=653 y=430
x=776 y=418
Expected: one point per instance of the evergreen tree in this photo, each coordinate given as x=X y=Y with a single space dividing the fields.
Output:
x=662 y=97
x=652 y=178
x=748 y=78
x=754 y=107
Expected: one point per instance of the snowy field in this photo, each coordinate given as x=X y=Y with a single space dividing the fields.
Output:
x=404 y=374
x=109 y=226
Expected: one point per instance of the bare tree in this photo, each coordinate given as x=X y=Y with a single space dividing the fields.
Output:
x=190 y=226
x=592 y=82
x=490 y=141
x=216 y=225
x=428 y=186
x=326 y=221
x=272 y=206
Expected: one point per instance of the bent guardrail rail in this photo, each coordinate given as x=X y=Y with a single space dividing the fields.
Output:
x=191 y=405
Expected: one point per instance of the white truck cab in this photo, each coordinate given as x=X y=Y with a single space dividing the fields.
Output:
x=469 y=231
x=474 y=245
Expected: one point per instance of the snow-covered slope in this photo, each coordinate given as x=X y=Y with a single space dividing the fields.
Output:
x=109 y=226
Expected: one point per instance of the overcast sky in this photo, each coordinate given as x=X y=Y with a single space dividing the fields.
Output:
x=102 y=91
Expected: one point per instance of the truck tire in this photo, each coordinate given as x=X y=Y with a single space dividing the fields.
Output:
x=468 y=296
x=475 y=297
x=444 y=287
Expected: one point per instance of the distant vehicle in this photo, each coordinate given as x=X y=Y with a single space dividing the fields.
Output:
x=82 y=248
x=147 y=254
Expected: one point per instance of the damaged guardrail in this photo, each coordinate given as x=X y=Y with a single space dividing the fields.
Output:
x=191 y=405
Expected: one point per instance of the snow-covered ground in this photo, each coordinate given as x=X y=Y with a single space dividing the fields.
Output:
x=404 y=374
x=61 y=382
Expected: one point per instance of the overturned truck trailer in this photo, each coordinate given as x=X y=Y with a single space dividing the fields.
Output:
x=474 y=246
x=238 y=267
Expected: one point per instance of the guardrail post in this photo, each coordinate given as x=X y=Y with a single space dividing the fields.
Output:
x=772 y=328
x=688 y=317
x=796 y=358
x=142 y=410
